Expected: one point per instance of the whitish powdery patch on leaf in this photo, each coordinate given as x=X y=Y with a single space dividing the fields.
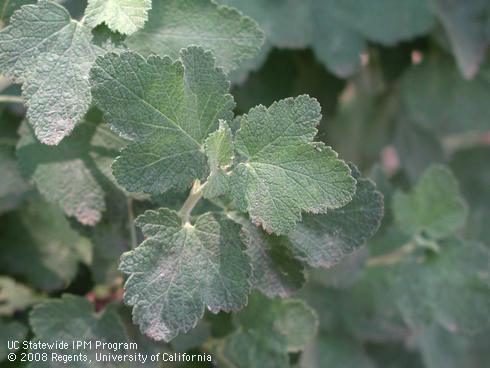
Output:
x=52 y=55
x=181 y=269
x=175 y=24
x=123 y=16
x=283 y=172
x=435 y=206
x=167 y=108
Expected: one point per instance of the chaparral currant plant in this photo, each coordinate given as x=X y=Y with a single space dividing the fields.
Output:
x=171 y=181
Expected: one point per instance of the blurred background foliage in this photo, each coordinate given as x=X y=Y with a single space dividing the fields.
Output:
x=404 y=86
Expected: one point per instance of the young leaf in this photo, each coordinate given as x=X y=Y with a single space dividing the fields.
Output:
x=10 y=331
x=39 y=246
x=452 y=289
x=176 y=24
x=466 y=24
x=180 y=269
x=15 y=296
x=52 y=55
x=219 y=149
x=167 y=108
x=283 y=172
x=72 y=318
x=268 y=330
x=71 y=174
x=123 y=16
x=435 y=205
x=275 y=271
x=323 y=240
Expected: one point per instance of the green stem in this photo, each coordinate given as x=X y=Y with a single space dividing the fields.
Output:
x=11 y=99
x=132 y=229
x=194 y=197
x=392 y=258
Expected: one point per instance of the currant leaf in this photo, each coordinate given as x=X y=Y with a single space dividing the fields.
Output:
x=283 y=172
x=180 y=269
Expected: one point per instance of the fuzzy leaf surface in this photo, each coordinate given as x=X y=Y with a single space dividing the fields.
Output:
x=175 y=24
x=181 y=269
x=72 y=173
x=219 y=150
x=434 y=206
x=323 y=240
x=123 y=16
x=275 y=271
x=52 y=55
x=167 y=109
x=283 y=172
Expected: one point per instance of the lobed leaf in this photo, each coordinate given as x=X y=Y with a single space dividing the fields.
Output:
x=434 y=207
x=167 y=109
x=52 y=55
x=176 y=24
x=283 y=172
x=72 y=174
x=180 y=269
x=123 y=16
x=323 y=240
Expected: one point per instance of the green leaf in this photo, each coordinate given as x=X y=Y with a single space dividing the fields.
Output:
x=335 y=350
x=39 y=246
x=10 y=331
x=8 y=7
x=434 y=206
x=52 y=55
x=338 y=30
x=123 y=16
x=219 y=150
x=323 y=240
x=13 y=188
x=451 y=104
x=181 y=268
x=176 y=24
x=167 y=108
x=15 y=296
x=452 y=288
x=466 y=24
x=73 y=173
x=275 y=271
x=283 y=172
x=471 y=168
x=72 y=318
x=267 y=330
